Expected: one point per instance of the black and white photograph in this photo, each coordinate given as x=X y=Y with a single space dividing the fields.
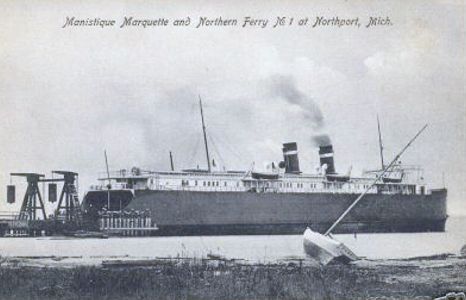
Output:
x=232 y=149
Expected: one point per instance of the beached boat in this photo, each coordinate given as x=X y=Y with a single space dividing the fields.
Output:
x=326 y=249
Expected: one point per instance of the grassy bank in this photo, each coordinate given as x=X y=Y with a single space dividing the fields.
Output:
x=184 y=280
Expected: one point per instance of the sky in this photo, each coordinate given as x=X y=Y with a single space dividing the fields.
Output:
x=68 y=94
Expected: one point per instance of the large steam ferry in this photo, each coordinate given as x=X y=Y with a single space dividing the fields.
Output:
x=282 y=200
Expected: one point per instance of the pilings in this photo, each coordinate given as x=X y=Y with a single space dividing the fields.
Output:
x=126 y=223
x=23 y=228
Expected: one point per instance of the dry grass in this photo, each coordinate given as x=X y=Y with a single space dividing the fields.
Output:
x=184 y=280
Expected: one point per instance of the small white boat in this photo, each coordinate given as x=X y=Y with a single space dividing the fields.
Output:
x=325 y=249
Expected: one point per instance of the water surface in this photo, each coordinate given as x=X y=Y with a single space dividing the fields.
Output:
x=262 y=248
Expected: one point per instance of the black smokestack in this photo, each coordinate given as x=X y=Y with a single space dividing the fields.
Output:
x=326 y=158
x=290 y=156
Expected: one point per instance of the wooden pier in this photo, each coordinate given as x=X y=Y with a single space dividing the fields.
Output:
x=127 y=223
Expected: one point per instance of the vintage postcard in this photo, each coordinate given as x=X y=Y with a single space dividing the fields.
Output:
x=232 y=149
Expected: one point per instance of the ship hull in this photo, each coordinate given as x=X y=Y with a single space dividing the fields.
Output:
x=242 y=213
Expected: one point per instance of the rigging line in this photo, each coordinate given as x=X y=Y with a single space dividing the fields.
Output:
x=216 y=149
x=195 y=150
x=231 y=149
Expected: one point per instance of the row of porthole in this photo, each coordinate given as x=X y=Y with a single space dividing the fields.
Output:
x=298 y=185
x=282 y=185
x=205 y=183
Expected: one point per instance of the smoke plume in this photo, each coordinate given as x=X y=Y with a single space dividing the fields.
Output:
x=285 y=87
x=321 y=140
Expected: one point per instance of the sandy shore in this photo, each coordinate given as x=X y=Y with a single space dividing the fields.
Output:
x=123 y=278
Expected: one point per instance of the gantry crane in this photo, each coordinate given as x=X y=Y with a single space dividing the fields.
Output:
x=68 y=205
x=32 y=200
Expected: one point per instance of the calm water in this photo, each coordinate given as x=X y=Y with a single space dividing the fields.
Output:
x=253 y=248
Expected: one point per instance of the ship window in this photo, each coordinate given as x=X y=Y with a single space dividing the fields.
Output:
x=224 y=183
x=208 y=183
x=203 y=183
x=195 y=182
x=217 y=183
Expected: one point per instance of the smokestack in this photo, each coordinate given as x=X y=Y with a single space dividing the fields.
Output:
x=326 y=158
x=290 y=155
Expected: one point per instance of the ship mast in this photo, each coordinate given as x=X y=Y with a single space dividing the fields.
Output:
x=109 y=186
x=380 y=142
x=205 y=137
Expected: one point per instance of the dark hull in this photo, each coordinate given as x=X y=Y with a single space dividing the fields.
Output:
x=283 y=229
x=239 y=213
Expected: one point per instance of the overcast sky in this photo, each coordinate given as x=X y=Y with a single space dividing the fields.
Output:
x=66 y=94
